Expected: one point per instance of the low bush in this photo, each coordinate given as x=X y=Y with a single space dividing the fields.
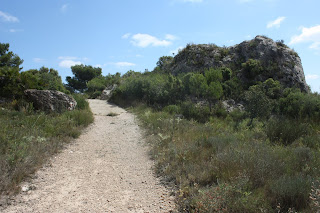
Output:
x=286 y=131
x=219 y=168
x=82 y=104
x=27 y=139
x=290 y=191
x=96 y=94
x=172 y=109
x=196 y=112
x=298 y=105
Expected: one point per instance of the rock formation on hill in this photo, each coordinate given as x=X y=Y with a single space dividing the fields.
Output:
x=50 y=100
x=271 y=60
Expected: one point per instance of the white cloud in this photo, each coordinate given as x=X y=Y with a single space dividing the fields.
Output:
x=312 y=77
x=276 y=23
x=176 y=51
x=69 y=63
x=39 y=60
x=98 y=65
x=124 y=64
x=64 y=8
x=315 y=45
x=311 y=34
x=15 y=30
x=126 y=36
x=7 y=17
x=145 y=40
x=171 y=37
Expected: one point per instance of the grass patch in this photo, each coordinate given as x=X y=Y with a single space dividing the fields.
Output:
x=28 y=139
x=224 y=165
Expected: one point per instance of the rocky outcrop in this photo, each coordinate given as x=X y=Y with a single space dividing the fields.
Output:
x=231 y=105
x=50 y=100
x=277 y=61
x=107 y=92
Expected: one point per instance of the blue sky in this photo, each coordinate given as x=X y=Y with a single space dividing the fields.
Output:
x=119 y=35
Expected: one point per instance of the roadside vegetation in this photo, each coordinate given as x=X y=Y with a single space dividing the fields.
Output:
x=29 y=137
x=263 y=158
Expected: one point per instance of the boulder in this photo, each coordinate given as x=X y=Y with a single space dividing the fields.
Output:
x=277 y=60
x=230 y=105
x=50 y=100
x=107 y=92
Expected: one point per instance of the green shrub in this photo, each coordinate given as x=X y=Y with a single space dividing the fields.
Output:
x=10 y=85
x=172 y=109
x=296 y=104
x=234 y=197
x=258 y=105
x=96 y=84
x=219 y=169
x=198 y=113
x=290 y=192
x=22 y=105
x=219 y=111
x=252 y=68
x=96 y=94
x=213 y=199
x=42 y=79
x=198 y=85
x=80 y=117
x=286 y=131
x=312 y=141
x=82 y=104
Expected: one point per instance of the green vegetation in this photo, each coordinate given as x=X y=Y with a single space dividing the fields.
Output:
x=82 y=75
x=28 y=137
x=89 y=80
x=8 y=58
x=225 y=165
x=263 y=156
x=42 y=79
x=98 y=84
x=13 y=82
x=261 y=159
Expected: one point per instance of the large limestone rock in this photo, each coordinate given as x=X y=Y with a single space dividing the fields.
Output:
x=107 y=92
x=230 y=105
x=50 y=100
x=278 y=61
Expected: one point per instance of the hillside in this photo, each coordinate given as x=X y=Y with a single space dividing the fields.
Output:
x=275 y=60
x=236 y=129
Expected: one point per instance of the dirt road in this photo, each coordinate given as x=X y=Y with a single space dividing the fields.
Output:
x=106 y=169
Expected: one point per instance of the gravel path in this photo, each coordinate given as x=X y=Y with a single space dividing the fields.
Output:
x=107 y=169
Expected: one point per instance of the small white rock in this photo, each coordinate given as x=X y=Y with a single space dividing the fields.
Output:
x=25 y=188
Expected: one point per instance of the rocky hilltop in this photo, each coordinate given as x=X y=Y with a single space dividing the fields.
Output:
x=256 y=60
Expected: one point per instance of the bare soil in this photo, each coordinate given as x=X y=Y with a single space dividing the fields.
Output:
x=107 y=169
